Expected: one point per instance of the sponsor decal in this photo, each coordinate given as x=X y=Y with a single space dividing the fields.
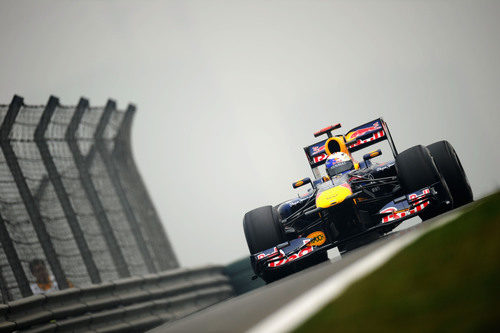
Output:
x=414 y=196
x=267 y=253
x=285 y=260
x=319 y=158
x=293 y=245
x=318 y=149
x=399 y=214
x=388 y=210
x=361 y=131
x=318 y=238
x=405 y=213
x=375 y=136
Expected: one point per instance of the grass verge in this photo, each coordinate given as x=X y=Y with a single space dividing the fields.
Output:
x=448 y=280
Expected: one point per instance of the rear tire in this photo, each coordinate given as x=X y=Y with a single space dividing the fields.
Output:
x=416 y=169
x=449 y=166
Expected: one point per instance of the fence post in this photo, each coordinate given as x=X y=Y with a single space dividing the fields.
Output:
x=122 y=154
x=83 y=165
x=13 y=260
x=60 y=190
x=119 y=190
x=24 y=191
x=4 y=291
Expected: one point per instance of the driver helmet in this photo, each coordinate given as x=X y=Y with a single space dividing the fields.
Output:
x=338 y=163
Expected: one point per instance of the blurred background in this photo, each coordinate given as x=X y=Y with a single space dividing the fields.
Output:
x=228 y=92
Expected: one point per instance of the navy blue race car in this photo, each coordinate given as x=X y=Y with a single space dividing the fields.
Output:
x=351 y=203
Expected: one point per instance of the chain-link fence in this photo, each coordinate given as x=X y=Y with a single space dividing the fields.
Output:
x=71 y=198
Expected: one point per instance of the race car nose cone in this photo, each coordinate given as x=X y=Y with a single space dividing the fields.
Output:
x=333 y=196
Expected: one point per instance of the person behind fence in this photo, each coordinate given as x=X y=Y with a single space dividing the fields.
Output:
x=45 y=282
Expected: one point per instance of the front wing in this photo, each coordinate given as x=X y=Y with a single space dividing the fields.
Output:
x=296 y=250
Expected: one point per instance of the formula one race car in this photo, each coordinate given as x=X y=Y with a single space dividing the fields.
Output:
x=352 y=203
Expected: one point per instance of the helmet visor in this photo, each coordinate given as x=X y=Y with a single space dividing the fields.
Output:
x=339 y=168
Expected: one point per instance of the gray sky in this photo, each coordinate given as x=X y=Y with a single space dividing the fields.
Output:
x=228 y=92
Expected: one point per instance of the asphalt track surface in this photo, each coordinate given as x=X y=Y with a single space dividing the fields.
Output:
x=241 y=313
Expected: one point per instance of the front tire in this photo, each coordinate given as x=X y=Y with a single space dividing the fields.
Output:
x=449 y=166
x=263 y=231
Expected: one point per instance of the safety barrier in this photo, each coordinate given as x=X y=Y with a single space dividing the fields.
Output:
x=131 y=304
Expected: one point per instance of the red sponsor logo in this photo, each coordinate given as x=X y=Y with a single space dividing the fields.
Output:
x=285 y=260
x=413 y=196
x=388 y=210
x=263 y=255
x=362 y=131
x=374 y=137
x=421 y=204
x=400 y=215
x=319 y=158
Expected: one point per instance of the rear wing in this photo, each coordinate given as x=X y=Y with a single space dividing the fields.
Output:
x=368 y=134
x=356 y=139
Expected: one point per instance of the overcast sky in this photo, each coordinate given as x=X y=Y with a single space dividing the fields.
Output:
x=228 y=92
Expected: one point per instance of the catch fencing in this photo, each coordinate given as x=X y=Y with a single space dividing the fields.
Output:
x=71 y=195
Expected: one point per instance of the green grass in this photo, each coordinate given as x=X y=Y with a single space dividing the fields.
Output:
x=448 y=280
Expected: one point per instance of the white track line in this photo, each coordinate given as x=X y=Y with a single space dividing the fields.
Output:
x=296 y=312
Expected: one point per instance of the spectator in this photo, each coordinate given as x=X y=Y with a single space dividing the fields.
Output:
x=45 y=283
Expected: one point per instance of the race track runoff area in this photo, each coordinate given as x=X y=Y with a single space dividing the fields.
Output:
x=448 y=280
x=444 y=278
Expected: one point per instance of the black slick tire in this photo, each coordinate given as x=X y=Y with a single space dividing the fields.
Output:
x=449 y=166
x=262 y=229
x=416 y=169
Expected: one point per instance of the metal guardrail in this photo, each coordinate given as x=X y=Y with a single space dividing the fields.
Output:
x=131 y=304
